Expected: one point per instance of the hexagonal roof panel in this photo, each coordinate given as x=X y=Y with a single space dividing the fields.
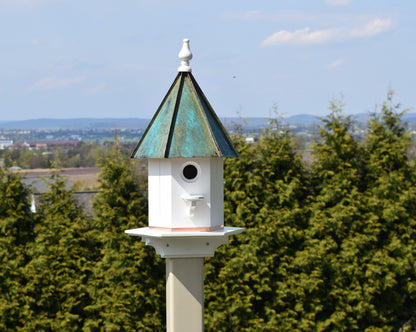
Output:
x=184 y=126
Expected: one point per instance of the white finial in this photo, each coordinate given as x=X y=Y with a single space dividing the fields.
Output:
x=185 y=55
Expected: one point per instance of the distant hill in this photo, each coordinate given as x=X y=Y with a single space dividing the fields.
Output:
x=81 y=123
x=302 y=120
x=138 y=123
x=257 y=123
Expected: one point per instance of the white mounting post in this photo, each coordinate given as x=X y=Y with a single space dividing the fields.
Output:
x=184 y=253
x=185 y=294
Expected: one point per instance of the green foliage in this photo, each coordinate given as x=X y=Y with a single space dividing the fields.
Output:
x=246 y=282
x=16 y=224
x=83 y=155
x=324 y=250
x=392 y=226
x=61 y=265
x=340 y=158
x=128 y=283
x=328 y=246
x=329 y=262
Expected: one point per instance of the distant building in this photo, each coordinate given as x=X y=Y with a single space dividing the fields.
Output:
x=36 y=145
x=5 y=144
x=37 y=181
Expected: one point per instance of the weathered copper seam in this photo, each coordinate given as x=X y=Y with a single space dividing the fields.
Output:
x=204 y=115
x=175 y=114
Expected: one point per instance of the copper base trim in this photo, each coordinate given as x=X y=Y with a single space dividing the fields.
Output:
x=187 y=229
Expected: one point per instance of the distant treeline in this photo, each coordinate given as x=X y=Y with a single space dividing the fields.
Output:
x=328 y=246
x=81 y=155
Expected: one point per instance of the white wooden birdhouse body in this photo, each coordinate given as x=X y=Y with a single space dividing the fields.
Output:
x=186 y=194
x=185 y=144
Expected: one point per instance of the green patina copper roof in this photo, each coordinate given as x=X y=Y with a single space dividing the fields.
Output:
x=184 y=126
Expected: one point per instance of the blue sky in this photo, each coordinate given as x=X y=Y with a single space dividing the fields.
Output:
x=89 y=58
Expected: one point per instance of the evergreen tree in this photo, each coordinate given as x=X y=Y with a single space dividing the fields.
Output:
x=330 y=296
x=390 y=284
x=61 y=264
x=247 y=280
x=228 y=308
x=128 y=284
x=16 y=234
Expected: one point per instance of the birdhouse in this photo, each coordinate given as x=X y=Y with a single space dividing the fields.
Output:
x=185 y=144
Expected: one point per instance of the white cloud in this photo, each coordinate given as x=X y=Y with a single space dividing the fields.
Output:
x=335 y=63
x=279 y=16
x=303 y=36
x=372 y=28
x=338 y=2
x=51 y=83
x=306 y=36
x=253 y=15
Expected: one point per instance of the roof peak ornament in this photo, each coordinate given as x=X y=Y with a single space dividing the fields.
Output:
x=185 y=55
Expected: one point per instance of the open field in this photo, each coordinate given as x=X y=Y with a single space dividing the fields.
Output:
x=81 y=178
